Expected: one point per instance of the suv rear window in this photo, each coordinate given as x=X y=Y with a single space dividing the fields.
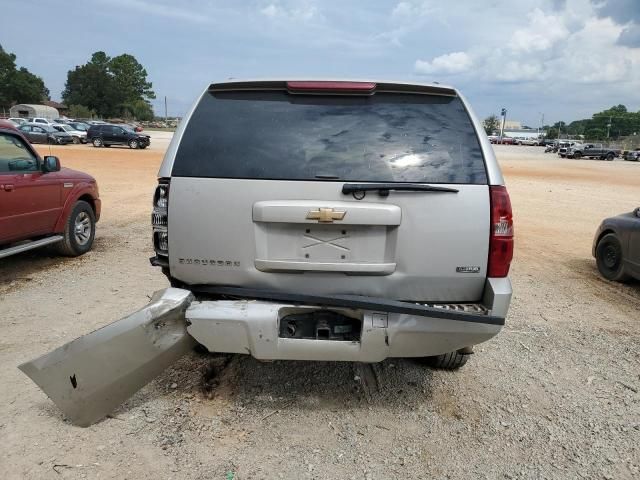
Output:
x=387 y=137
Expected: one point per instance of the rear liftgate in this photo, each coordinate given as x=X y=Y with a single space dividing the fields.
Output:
x=90 y=376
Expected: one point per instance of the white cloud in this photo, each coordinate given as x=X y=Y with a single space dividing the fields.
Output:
x=450 y=63
x=404 y=11
x=592 y=55
x=542 y=33
x=567 y=47
x=302 y=12
x=270 y=10
x=516 y=71
x=161 y=10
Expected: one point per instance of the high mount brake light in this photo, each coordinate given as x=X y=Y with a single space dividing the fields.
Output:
x=363 y=88
x=501 y=236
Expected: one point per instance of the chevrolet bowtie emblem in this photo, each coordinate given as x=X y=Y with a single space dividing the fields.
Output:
x=325 y=215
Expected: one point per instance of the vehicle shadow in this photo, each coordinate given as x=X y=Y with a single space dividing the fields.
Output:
x=587 y=267
x=18 y=269
x=241 y=379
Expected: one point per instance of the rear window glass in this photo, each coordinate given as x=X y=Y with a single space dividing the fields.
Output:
x=386 y=137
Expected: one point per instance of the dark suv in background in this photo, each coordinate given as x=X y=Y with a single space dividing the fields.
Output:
x=107 y=135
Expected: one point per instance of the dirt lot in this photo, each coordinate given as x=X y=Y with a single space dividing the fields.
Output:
x=555 y=395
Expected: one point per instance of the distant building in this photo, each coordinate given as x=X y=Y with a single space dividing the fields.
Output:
x=521 y=133
x=24 y=110
x=512 y=125
x=61 y=107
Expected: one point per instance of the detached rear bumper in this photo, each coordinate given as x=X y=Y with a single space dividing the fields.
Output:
x=253 y=327
x=89 y=376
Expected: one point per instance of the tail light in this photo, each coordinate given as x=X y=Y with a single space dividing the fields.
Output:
x=501 y=237
x=159 y=217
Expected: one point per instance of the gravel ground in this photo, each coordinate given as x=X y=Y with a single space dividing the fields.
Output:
x=555 y=395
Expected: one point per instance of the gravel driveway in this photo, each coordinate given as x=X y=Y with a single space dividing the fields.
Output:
x=555 y=395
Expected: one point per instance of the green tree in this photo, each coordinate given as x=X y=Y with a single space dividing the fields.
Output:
x=19 y=85
x=491 y=124
x=80 y=111
x=139 y=109
x=92 y=85
x=110 y=86
x=552 y=131
x=130 y=78
x=595 y=134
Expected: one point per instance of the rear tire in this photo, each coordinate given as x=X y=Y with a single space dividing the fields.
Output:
x=97 y=142
x=609 y=258
x=447 y=361
x=79 y=231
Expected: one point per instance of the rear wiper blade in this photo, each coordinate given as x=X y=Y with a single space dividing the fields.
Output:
x=384 y=188
x=327 y=176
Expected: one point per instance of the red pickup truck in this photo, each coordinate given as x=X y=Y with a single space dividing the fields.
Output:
x=41 y=203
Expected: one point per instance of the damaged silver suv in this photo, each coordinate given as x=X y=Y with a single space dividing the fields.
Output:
x=354 y=221
x=311 y=220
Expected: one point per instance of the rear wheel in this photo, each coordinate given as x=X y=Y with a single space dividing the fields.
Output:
x=79 y=230
x=447 y=361
x=609 y=258
x=133 y=144
x=97 y=142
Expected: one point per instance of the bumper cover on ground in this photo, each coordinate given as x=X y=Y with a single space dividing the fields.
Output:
x=90 y=376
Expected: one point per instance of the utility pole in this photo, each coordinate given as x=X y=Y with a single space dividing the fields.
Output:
x=608 y=128
x=165 y=109
x=503 y=112
x=541 y=124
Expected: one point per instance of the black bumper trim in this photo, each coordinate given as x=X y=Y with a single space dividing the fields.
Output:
x=158 y=261
x=348 y=301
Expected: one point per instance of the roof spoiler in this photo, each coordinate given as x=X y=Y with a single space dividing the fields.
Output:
x=332 y=87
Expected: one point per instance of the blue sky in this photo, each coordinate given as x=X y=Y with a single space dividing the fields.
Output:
x=564 y=58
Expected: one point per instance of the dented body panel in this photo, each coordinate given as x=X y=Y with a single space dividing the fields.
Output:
x=252 y=327
x=392 y=329
x=90 y=376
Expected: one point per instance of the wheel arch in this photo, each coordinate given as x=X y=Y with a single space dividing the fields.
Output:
x=82 y=191
x=89 y=199
x=606 y=230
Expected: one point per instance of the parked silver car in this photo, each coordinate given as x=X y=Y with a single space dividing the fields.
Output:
x=78 y=136
x=41 y=133
x=307 y=220
x=17 y=121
